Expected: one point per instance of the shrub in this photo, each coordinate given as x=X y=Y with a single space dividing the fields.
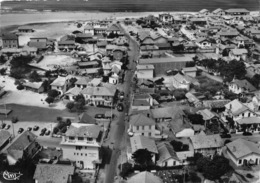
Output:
x=20 y=87
x=55 y=130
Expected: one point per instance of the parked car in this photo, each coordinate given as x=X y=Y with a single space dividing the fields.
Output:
x=3 y=125
x=7 y=127
x=48 y=132
x=120 y=107
x=247 y=134
x=100 y=116
x=20 y=130
x=29 y=129
x=43 y=130
x=225 y=135
x=121 y=95
x=42 y=133
x=35 y=128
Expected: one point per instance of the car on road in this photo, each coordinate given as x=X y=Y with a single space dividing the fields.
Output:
x=20 y=130
x=121 y=95
x=29 y=129
x=43 y=130
x=225 y=135
x=2 y=125
x=35 y=128
x=100 y=116
x=247 y=134
x=48 y=132
x=7 y=127
x=120 y=107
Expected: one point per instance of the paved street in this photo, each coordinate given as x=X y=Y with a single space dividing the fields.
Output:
x=119 y=128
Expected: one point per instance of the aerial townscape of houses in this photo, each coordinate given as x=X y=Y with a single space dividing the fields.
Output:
x=183 y=88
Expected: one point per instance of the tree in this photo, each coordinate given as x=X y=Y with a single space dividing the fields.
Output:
x=15 y=119
x=100 y=72
x=49 y=100
x=142 y=157
x=127 y=168
x=20 y=87
x=73 y=81
x=79 y=102
x=3 y=71
x=46 y=85
x=3 y=59
x=3 y=162
x=53 y=94
x=70 y=105
x=34 y=77
x=179 y=146
x=201 y=163
x=196 y=119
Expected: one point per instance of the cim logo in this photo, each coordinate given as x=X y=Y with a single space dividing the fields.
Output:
x=11 y=175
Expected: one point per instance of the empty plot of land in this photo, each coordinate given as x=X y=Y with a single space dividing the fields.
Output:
x=51 y=62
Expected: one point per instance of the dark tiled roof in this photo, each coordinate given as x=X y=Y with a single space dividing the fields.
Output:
x=9 y=36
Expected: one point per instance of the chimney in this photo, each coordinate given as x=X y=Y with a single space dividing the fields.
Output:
x=28 y=137
x=230 y=106
x=234 y=149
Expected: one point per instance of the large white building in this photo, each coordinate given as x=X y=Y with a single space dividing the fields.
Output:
x=81 y=144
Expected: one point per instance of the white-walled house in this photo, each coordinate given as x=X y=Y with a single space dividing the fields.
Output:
x=243 y=152
x=190 y=71
x=203 y=42
x=167 y=157
x=60 y=84
x=238 y=54
x=186 y=132
x=166 y=18
x=140 y=124
x=144 y=71
x=89 y=29
x=81 y=144
x=99 y=95
x=179 y=81
x=208 y=145
x=237 y=110
x=240 y=86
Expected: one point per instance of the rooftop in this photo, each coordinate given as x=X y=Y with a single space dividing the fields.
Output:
x=236 y=107
x=240 y=148
x=144 y=177
x=83 y=130
x=53 y=173
x=142 y=142
x=141 y=120
x=203 y=141
x=4 y=136
x=164 y=60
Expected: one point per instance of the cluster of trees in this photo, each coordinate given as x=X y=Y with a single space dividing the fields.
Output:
x=179 y=146
x=213 y=169
x=19 y=66
x=228 y=70
x=52 y=94
x=3 y=59
x=78 y=104
x=62 y=125
x=196 y=119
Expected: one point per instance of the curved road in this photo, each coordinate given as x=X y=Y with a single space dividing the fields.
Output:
x=119 y=143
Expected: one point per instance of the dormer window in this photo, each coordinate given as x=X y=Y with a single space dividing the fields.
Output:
x=80 y=138
x=71 y=138
x=90 y=139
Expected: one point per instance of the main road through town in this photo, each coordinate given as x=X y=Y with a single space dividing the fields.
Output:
x=111 y=168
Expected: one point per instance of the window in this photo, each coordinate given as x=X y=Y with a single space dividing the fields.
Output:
x=143 y=127
x=71 y=138
x=143 y=134
x=249 y=114
x=86 y=154
x=80 y=138
x=150 y=127
x=81 y=154
x=90 y=139
x=78 y=147
x=75 y=154
x=239 y=161
x=86 y=147
x=150 y=134
x=137 y=127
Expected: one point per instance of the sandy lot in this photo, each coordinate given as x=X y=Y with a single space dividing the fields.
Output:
x=50 y=61
x=24 y=97
x=49 y=30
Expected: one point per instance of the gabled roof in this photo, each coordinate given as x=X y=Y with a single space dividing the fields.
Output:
x=35 y=85
x=141 y=120
x=203 y=11
x=244 y=84
x=83 y=130
x=19 y=144
x=239 y=51
x=83 y=81
x=236 y=107
x=144 y=177
x=237 y=10
x=166 y=152
x=85 y=118
x=59 y=81
x=113 y=28
x=203 y=141
x=167 y=112
x=199 y=40
x=145 y=67
x=99 y=91
x=206 y=114
x=9 y=36
x=142 y=142
x=217 y=10
x=249 y=120
x=39 y=45
x=88 y=27
x=53 y=173
x=240 y=148
x=74 y=91
x=181 y=78
x=164 y=60
x=4 y=136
